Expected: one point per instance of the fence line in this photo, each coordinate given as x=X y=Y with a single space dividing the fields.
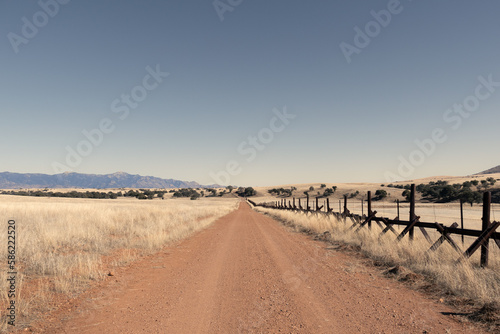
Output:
x=487 y=233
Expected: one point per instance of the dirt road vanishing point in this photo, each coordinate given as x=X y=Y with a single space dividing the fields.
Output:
x=248 y=274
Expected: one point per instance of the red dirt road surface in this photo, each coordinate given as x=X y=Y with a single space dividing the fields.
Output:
x=248 y=274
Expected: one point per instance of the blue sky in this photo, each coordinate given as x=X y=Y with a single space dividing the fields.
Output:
x=353 y=121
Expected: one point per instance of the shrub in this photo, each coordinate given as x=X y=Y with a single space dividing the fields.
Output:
x=380 y=194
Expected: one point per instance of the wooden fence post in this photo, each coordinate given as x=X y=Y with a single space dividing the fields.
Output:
x=369 y=207
x=462 y=219
x=486 y=224
x=412 y=209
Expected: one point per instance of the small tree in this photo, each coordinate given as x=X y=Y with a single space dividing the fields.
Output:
x=328 y=192
x=406 y=194
x=311 y=188
x=323 y=185
x=246 y=192
x=492 y=181
x=354 y=194
x=467 y=184
x=471 y=197
x=380 y=194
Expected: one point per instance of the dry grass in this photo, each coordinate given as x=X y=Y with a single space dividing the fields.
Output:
x=62 y=243
x=363 y=188
x=466 y=281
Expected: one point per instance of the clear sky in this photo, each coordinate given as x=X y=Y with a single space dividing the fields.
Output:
x=257 y=92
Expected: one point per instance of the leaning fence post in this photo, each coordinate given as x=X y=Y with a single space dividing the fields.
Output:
x=486 y=224
x=412 y=209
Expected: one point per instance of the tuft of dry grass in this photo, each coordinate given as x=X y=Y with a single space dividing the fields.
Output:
x=466 y=280
x=62 y=243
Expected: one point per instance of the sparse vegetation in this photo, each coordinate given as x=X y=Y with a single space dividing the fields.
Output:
x=191 y=193
x=442 y=192
x=354 y=194
x=281 y=191
x=328 y=192
x=65 y=244
x=464 y=281
x=246 y=192
x=380 y=195
x=139 y=194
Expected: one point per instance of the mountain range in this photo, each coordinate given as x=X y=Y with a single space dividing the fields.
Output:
x=493 y=170
x=92 y=181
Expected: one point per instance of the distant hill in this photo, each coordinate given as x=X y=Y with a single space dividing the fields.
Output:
x=92 y=181
x=493 y=170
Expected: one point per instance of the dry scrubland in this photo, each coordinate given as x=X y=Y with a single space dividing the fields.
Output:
x=65 y=244
x=446 y=213
x=465 y=281
x=364 y=187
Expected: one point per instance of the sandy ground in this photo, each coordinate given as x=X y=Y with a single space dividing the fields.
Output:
x=249 y=274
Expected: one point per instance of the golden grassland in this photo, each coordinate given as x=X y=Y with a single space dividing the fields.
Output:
x=62 y=244
x=466 y=280
x=363 y=187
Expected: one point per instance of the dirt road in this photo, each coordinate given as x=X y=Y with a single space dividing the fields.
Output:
x=248 y=274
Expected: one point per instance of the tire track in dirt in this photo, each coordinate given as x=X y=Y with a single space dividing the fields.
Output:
x=248 y=274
